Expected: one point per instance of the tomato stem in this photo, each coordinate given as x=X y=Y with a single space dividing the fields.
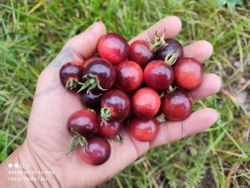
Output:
x=119 y=138
x=157 y=44
x=77 y=139
x=92 y=81
x=105 y=114
x=71 y=84
x=171 y=58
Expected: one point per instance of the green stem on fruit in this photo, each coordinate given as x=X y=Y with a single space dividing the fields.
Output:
x=171 y=58
x=190 y=55
x=149 y=41
x=71 y=84
x=119 y=138
x=169 y=89
x=162 y=37
x=77 y=139
x=105 y=114
x=92 y=110
x=158 y=43
x=92 y=81
x=156 y=37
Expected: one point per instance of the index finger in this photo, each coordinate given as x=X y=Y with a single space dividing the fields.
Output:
x=171 y=25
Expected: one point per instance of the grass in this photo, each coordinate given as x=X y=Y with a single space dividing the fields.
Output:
x=33 y=32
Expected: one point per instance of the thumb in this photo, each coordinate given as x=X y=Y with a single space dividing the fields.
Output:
x=84 y=45
x=78 y=48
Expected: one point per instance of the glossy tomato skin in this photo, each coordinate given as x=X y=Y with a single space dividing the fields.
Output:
x=119 y=104
x=188 y=73
x=97 y=151
x=89 y=60
x=92 y=99
x=83 y=122
x=173 y=45
x=113 y=47
x=103 y=70
x=71 y=70
x=141 y=52
x=109 y=129
x=158 y=75
x=145 y=102
x=144 y=130
x=129 y=76
x=177 y=105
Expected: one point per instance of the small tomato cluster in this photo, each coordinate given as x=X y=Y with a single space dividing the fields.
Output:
x=128 y=85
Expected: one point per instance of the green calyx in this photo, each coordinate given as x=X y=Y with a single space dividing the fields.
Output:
x=171 y=58
x=71 y=84
x=77 y=139
x=92 y=81
x=119 y=138
x=158 y=41
x=105 y=114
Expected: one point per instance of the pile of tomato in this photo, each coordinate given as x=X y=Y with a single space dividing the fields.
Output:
x=127 y=87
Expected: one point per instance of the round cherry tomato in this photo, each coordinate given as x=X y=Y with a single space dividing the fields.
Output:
x=144 y=130
x=141 y=52
x=177 y=105
x=113 y=47
x=129 y=76
x=99 y=74
x=118 y=104
x=91 y=99
x=70 y=73
x=187 y=73
x=97 y=151
x=109 y=129
x=172 y=46
x=84 y=122
x=145 y=102
x=158 y=75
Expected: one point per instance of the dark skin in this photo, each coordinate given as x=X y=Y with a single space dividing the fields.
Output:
x=47 y=139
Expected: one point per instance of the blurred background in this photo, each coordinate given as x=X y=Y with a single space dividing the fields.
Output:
x=32 y=32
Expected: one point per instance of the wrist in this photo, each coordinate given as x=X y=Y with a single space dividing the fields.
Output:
x=23 y=169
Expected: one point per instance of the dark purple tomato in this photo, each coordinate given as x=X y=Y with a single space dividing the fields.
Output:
x=187 y=73
x=90 y=60
x=172 y=46
x=177 y=105
x=101 y=72
x=158 y=75
x=70 y=72
x=109 y=129
x=141 y=52
x=145 y=102
x=84 y=122
x=91 y=99
x=144 y=130
x=113 y=47
x=118 y=103
x=97 y=151
x=129 y=76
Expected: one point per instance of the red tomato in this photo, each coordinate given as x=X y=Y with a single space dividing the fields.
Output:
x=144 y=130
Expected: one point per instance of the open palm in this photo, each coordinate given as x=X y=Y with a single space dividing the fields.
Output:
x=48 y=139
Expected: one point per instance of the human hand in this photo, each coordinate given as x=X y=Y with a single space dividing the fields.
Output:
x=47 y=140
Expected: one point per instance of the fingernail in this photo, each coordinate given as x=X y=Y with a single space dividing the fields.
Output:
x=92 y=26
